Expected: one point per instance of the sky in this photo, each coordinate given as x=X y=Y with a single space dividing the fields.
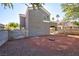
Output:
x=12 y=15
x=54 y=9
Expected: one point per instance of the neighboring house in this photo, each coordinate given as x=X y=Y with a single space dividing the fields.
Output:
x=68 y=27
x=1 y=27
x=36 y=22
x=67 y=24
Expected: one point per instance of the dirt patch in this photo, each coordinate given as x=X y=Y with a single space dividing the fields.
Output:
x=41 y=46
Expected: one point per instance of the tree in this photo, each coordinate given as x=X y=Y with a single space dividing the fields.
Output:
x=76 y=23
x=67 y=19
x=57 y=16
x=12 y=25
x=71 y=10
x=34 y=5
x=5 y=5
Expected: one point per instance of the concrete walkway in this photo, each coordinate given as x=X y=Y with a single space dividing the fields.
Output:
x=74 y=36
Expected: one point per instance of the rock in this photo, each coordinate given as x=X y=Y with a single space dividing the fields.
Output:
x=51 y=39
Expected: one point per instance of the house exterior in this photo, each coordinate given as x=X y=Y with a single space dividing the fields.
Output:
x=1 y=27
x=67 y=24
x=68 y=27
x=36 y=22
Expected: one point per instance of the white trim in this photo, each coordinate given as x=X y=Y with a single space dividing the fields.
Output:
x=46 y=21
x=45 y=10
x=42 y=8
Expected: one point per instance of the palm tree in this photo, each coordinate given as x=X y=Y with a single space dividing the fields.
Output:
x=57 y=16
x=34 y=5
x=5 y=5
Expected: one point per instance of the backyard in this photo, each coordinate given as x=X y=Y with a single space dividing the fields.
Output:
x=61 y=45
x=31 y=36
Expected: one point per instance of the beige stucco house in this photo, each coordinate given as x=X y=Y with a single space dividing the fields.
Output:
x=36 y=22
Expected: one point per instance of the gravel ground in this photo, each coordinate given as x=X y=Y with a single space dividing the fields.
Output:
x=48 y=45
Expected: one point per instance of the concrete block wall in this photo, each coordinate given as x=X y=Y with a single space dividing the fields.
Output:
x=17 y=34
x=3 y=37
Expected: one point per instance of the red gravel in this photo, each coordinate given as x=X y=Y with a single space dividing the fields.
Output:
x=41 y=46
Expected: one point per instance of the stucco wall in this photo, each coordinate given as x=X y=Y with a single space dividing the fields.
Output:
x=36 y=26
x=17 y=34
x=3 y=37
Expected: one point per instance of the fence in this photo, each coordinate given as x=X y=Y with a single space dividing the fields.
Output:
x=68 y=30
x=11 y=35
x=72 y=31
x=3 y=36
x=17 y=34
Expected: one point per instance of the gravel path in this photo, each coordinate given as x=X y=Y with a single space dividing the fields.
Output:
x=61 y=45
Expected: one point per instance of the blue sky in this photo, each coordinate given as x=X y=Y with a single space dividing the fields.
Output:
x=9 y=15
x=55 y=8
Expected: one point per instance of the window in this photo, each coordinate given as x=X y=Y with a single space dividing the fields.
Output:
x=44 y=17
x=47 y=17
